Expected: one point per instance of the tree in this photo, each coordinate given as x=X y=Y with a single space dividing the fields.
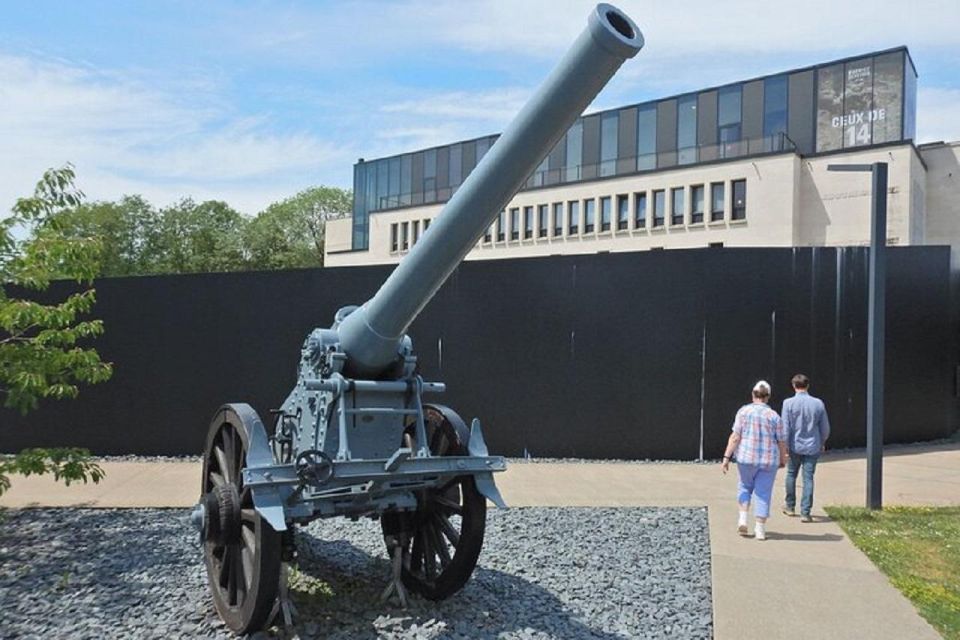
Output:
x=126 y=230
x=40 y=352
x=290 y=233
x=202 y=237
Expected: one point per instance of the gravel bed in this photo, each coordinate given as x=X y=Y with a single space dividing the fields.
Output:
x=544 y=573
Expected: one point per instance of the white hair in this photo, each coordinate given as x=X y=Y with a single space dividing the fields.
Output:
x=762 y=388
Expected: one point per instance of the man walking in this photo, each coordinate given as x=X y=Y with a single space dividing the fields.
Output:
x=805 y=421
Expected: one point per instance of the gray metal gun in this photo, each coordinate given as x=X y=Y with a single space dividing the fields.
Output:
x=354 y=437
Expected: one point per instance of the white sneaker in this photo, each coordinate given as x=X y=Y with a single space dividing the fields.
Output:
x=759 y=532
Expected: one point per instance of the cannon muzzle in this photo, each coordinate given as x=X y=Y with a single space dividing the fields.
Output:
x=370 y=336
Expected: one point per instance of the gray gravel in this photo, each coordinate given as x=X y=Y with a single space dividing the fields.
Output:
x=544 y=573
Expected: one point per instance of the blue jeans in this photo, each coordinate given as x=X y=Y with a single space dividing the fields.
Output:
x=756 y=482
x=809 y=465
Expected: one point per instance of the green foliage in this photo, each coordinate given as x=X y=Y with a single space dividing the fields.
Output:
x=41 y=344
x=918 y=548
x=193 y=238
x=290 y=233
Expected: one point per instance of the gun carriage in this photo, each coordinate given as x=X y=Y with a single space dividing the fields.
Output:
x=354 y=437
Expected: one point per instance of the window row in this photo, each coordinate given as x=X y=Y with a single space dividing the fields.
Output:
x=642 y=210
x=403 y=235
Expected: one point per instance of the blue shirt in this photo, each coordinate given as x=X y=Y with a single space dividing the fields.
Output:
x=807 y=426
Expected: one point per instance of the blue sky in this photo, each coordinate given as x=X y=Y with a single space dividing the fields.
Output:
x=250 y=102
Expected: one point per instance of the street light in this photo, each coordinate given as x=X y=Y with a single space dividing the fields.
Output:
x=875 y=324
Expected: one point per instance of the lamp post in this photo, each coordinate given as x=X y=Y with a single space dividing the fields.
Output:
x=875 y=324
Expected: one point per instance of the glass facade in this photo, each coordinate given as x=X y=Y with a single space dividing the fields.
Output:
x=687 y=130
x=858 y=102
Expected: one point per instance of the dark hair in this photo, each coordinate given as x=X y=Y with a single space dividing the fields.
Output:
x=800 y=381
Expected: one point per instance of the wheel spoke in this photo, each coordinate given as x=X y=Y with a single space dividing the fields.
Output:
x=225 y=562
x=222 y=461
x=245 y=567
x=448 y=530
x=233 y=581
x=429 y=554
x=439 y=544
x=448 y=504
x=249 y=537
x=218 y=479
x=416 y=554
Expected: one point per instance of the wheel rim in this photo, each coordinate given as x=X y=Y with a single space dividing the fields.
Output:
x=243 y=559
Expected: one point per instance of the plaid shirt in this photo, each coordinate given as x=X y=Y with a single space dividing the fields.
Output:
x=760 y=429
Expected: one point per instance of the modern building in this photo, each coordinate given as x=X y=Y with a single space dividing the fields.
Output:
x=743 y=164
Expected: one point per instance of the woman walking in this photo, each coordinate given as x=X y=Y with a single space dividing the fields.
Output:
x=759 y=445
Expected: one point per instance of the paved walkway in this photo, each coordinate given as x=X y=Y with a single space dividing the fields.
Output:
x=810 y=579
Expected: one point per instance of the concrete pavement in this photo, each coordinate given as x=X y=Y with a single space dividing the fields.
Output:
x=806 y=580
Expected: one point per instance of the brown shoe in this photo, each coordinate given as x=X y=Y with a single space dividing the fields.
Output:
x=806 y=518
x=742 y=530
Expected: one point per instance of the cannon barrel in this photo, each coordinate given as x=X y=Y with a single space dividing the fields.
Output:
x=370 y=335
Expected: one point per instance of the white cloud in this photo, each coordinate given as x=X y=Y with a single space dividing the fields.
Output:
x=127 y=136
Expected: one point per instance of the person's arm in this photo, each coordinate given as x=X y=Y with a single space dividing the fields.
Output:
x=732 y=443
x=824 y=427
x=782 y=433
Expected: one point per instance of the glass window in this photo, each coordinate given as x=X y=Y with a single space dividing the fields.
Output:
x=557 y=219
x=430 y=175
x=483 y=145
x=426 y=225
x=687 y=129
x=774 y=113
x=887 y=97
x=456 y=165
x=640 y=211
x=589 y=215
x=647 y=137
x=574 y=151
x=393 y=237
x=528 y=222
x=739 y=199
x=394 y=189
x=623 y=211
x=543 y=220
x=659 y=207
x=573 y=212
x=609 y=123
x=406 y=179
x=500 y=234
x=829 y=108
x=909 y=100
x=696 y=203
x=729 y=103
x=606 y=213
x=857 y=103
x=515 y=223
x=717 y=198
x=404 y=236
x=416 y=232
x=383 y=183
x=676 y=198
x=488 y=233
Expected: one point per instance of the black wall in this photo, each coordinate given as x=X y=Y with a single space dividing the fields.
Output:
x=596 y=356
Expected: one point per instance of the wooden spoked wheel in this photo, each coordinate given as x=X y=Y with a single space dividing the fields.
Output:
x=241 y=551
x=442 y=539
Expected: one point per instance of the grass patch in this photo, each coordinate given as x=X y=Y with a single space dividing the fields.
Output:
x=918 y=548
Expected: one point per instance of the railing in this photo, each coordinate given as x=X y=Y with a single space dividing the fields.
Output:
x=615 y=167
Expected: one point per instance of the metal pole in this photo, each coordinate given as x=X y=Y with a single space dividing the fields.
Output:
x=875 y=334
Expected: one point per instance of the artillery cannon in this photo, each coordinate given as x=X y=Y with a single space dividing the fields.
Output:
x=354 y=437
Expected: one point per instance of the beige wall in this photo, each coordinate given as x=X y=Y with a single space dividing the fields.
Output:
x=791 y=201
x=942 y=195
x=835 y=206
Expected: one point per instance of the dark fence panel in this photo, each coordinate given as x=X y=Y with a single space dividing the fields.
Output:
x=633 y=355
